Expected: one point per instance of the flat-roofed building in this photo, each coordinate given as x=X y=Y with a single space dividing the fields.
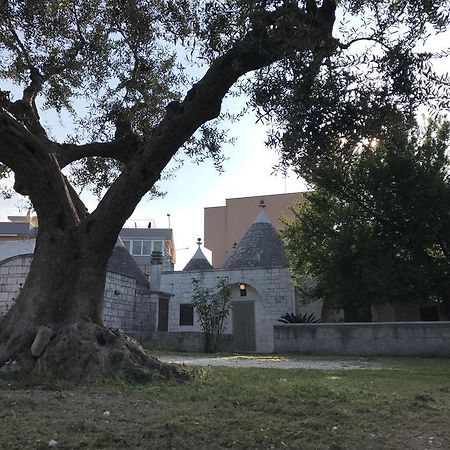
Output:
x=141 y=242
x=19 y=228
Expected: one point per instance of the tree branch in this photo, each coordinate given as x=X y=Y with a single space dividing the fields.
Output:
x=38 y=175
x=79 y=206
x=19 y=147
x=120 y=149
x=259 y=48
x=20 y=46
x=25 y=109
x=365 y=38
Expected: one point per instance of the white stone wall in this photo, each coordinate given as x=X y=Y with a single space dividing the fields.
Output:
x=13 y=273
x=119 y=307
x=127 y=306
x=365 y=339
x=270 y=289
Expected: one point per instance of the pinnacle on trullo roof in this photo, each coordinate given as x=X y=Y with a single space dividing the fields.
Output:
x=261 y=217
x=260 y=246
x=198 y=262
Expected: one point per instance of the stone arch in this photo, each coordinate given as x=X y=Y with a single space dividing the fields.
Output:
x=245 y=315
x=241 y=276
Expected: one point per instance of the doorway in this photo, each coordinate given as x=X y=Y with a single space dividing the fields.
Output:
x=244 y=326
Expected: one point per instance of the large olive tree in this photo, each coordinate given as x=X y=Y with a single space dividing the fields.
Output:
x=116 y=67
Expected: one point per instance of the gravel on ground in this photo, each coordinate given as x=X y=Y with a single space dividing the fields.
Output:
x=269 y=362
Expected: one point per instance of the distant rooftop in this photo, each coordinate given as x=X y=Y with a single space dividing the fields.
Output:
x=33 y=220
x=150 y=233
x=17 y=229
x=122 y=262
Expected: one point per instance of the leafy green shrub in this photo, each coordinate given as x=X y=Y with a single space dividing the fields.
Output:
x=213 y=305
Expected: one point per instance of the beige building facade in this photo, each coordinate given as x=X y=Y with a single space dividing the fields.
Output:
x=224 y=226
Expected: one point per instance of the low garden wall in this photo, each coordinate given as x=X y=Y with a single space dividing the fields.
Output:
x=185 y=341
x=364 y=339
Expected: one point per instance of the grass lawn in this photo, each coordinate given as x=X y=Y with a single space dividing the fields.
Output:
x=405 y=405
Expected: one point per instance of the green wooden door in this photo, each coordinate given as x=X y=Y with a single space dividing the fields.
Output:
x=244 y=326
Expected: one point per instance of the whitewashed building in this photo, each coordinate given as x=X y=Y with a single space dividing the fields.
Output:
x=261 y=284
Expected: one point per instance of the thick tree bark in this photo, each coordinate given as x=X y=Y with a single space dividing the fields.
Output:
x=45 y=296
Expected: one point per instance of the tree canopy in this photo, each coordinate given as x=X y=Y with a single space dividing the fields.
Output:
x=377 y=229
x=324 y=75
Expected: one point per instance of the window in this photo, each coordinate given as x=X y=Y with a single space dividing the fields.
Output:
x=140 y=247
x=243 y=290
x=127 y=244
x=146 y=248
x=186 y=314
x=136 y=247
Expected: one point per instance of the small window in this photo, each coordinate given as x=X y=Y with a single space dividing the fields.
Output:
x=136 y=247
x=146 y=248
x=186 y=314
x=243 y=290
x=157 y=246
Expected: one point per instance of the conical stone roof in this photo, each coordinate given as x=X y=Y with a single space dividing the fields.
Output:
x=198 y=262
x=260 y=247
x=122 y=262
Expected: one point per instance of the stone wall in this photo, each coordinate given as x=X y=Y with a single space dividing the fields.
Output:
x=365 y=339
x=185 y=341
x=274 y=296
x=119 y=301
x=13 y=273
x=128 y=306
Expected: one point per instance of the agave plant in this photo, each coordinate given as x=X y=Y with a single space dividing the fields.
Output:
x=299 y=318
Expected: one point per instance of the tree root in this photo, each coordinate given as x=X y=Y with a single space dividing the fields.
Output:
x=86 y=352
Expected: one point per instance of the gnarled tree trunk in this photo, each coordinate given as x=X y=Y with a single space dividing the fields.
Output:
x=63 y=296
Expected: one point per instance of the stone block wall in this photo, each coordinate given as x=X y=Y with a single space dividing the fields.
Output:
x=13 y=273
x=119 y=307
x=185 y=341
x=128 y=306
x=365 y=339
